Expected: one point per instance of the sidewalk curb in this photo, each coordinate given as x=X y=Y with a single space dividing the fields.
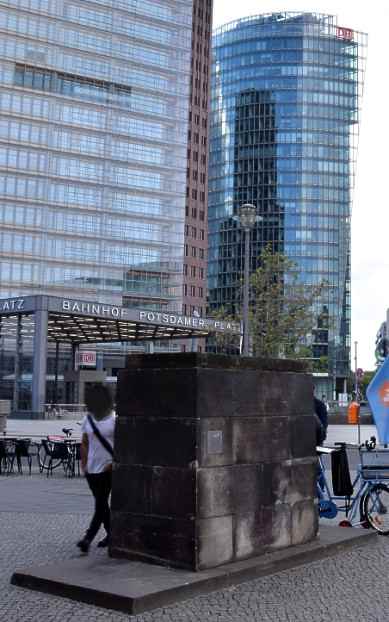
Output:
x=135 y=587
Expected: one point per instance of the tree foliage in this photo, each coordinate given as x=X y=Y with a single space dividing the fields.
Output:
x=281 y=311
x=282 y=308
x=363 y=384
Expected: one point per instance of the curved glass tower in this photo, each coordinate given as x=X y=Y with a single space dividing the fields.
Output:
x=285 y=101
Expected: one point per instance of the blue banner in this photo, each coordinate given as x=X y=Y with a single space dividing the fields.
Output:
x=377 y=394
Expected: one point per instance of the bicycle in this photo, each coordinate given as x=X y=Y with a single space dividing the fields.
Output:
x=371 y=498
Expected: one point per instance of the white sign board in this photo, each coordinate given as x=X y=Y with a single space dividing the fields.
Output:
x=343 y=399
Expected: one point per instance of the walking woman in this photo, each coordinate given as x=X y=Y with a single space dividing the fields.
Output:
x=96 y=459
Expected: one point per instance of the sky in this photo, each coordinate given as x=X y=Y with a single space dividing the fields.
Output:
x=370 y=217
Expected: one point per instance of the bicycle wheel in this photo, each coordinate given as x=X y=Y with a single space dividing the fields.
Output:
x=44 y=459
x=41 y=456
x=376 y=508
x=362 y=516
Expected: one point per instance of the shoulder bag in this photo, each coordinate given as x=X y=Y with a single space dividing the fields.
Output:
x=107 y=446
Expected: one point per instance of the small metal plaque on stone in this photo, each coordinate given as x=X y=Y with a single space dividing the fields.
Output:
x=215 y=442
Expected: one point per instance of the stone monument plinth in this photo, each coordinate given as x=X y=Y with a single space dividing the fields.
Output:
x=215 y=459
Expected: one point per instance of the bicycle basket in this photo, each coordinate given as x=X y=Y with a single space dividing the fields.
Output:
x=374 y=463
x=341 y=480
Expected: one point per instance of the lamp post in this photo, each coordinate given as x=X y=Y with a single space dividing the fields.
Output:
x=334 y=367
x=356 y=371
x=247 y=216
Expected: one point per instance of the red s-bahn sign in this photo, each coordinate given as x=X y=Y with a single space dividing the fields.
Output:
x=344 y=33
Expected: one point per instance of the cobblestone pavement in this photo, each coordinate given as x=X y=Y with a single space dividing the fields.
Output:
x=349 y=587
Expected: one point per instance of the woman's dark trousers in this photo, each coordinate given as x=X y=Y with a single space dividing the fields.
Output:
x=100 y=485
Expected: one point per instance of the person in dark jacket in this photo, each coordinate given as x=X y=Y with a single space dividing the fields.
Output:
x=321 y=419
x=321 y=412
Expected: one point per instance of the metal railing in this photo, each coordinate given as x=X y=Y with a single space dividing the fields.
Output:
x=64 y=411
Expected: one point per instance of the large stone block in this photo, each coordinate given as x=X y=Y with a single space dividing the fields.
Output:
x=290 y=481
x=215 y=492
x=304 y=521
x=215 y=396
x=276 y=438
x=285 y=393
x=253 y=532
x=160 y=491
x=247 y=390
x=303 y=482
x=154 y=538
x=157 y=392
x=247 y=440
x=277 y=480
x=215 y=541
x=281 y=521
x=227 y=490
x=215 y=459
x=173 y=492
x=156 y=441
x=248 y=488
x=131 y=489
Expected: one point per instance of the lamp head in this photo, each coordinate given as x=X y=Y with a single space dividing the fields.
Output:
x=247 y=215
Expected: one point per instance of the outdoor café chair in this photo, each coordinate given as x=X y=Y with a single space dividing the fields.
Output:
x=7 y=456
x=23 y=449
x=56 y=454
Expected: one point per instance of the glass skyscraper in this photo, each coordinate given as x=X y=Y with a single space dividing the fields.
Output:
x=94 y=103
x=285 y=108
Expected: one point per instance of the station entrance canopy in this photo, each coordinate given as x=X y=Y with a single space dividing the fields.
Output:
x=76 y=322
x=79 y=321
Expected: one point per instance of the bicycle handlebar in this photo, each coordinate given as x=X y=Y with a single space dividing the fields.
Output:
x=371 y=444
x=368 y=445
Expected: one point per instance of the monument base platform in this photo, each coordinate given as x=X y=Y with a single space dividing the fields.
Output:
x=134 y=587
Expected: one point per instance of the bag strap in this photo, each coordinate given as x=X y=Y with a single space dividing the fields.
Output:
x=107 y=446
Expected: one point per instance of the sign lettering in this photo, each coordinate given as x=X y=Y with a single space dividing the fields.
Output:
x=12 y=304
x=344 y=33
x=188 y=322
x=87 y=358
x=114 y=312
x=74 y=306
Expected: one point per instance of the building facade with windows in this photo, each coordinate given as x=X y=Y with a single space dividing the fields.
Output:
x=94 y=109
x=196 y=206
x=285 y=109
x=93 y=122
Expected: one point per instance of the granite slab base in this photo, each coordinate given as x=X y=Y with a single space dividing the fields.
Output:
x=134 y=587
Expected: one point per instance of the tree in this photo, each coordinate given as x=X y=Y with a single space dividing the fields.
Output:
x=364 y=383
x=224 y=343
x=282 y=308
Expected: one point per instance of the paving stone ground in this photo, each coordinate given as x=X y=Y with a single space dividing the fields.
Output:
x=41 y=519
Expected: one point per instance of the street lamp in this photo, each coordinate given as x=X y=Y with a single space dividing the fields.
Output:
x=247 y=217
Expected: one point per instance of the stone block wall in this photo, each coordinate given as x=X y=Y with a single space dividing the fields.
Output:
x=215 y=459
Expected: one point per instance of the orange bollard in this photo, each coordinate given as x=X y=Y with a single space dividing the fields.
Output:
x=353 y=413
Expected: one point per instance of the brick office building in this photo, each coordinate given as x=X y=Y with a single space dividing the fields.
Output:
x=195 y=253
